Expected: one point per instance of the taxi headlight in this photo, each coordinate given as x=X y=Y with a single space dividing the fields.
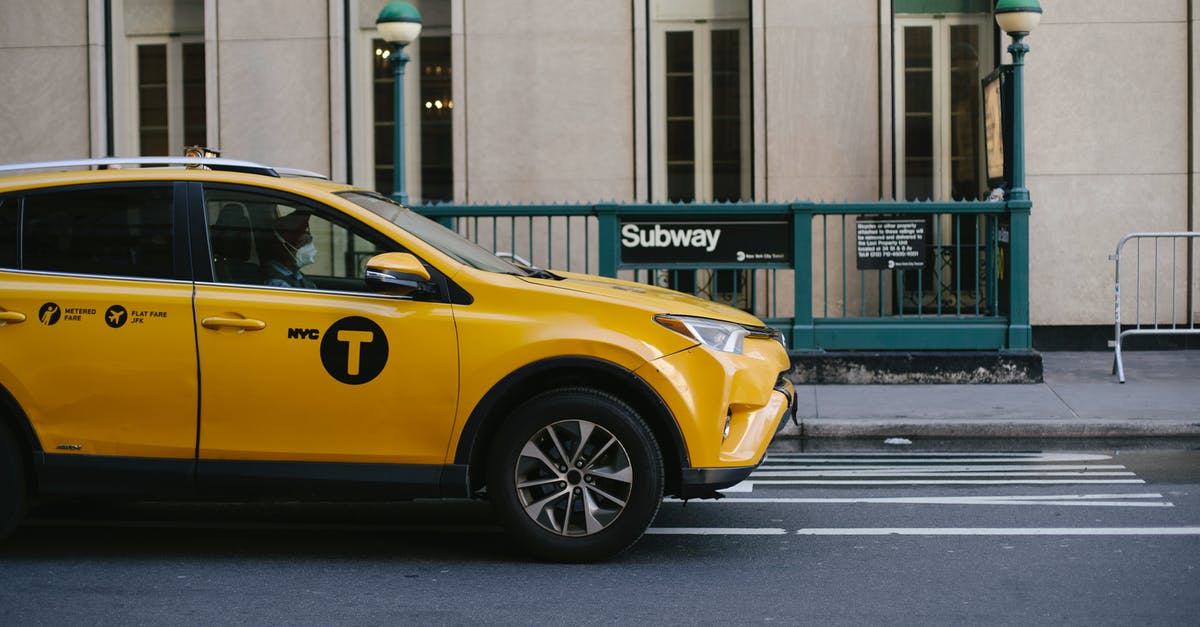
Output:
x=715 y=334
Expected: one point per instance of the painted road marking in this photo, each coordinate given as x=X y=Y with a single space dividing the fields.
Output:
x=872 y=470
x=945 y=469
x=1092 y=500
x=926 y=469
x=715 y=531
x=1005 y=531
x=928 y=531
x=922 y=458
x=946 y=482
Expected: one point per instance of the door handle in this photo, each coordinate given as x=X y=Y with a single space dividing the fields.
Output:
x=242 y=324
x=11 y=316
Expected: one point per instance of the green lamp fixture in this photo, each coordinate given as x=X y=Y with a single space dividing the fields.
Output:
x=1018 y=17
x=399 y=23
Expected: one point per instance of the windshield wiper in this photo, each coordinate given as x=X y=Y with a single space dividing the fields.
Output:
x=539 y=273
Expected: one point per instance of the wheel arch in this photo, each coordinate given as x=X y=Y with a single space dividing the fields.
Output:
x=14 y=420
x=570 y=372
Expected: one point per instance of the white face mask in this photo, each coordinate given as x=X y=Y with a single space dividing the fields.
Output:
x=306 y=255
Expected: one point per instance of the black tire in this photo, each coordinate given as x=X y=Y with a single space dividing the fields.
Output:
x=12 y=483
x=595 y=503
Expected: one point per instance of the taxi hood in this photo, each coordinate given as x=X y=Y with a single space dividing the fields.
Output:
x=653 y=298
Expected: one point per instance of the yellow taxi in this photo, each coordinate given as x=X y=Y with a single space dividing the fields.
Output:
x=210 y=328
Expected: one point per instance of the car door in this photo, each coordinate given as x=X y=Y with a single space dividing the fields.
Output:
x=99 y=342
x=321 y=371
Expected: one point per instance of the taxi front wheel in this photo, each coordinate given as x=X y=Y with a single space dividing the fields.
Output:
x=12 y=483
x=576 y=475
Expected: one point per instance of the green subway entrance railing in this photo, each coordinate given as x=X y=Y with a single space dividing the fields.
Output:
x=832 y=276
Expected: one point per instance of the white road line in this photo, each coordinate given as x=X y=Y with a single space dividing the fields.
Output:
x=714 y=531
x=928 y=531
x=932 y=458
x=850 y=482
x=1069 y=500
x=1004 y=531
x=781 y=468
x=917 y=472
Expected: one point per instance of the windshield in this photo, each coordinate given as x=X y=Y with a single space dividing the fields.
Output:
x=432 y=233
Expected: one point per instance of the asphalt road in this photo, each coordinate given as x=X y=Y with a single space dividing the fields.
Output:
x=1098 y=534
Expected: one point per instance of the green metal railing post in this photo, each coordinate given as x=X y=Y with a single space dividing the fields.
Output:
x=608 y=240
x=1019 y=332
x=803 y=333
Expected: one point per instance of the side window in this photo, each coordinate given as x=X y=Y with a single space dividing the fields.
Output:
x=261 y=239
x=9 y=225
x=119 y=231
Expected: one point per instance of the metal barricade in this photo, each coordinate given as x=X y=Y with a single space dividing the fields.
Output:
x=1164 y=288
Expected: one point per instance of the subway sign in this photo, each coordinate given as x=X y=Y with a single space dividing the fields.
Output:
x=715 y=240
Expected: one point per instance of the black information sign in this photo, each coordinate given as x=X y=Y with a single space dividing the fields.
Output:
x=717 y=240
x=886 y=243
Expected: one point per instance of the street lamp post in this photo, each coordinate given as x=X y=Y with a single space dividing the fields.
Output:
x=399 y=24
x=1018 y=18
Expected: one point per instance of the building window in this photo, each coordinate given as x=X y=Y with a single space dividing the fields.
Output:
x=436 y=106
x=385 y=117
x=939 y=130
x=700 y=123
x=700 y=120
x=170 y=96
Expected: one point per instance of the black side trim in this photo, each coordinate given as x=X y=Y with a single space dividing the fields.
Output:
x=88 y=475
x=144 y=477
x=456 y=482
x=324 y=480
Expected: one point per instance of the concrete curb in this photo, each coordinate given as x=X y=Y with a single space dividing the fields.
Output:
x=915 y=367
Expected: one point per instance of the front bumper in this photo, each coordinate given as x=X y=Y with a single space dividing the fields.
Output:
x=704 y=483
x=785 y=387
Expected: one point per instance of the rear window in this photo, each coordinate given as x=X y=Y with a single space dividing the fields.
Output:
x=122 y=231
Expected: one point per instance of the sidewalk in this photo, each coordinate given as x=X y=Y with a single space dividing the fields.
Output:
x=1080 y=397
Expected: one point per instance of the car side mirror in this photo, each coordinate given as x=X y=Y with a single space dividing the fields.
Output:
x=396 y=274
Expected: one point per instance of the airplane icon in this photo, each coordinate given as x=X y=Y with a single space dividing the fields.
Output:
x=115 y=316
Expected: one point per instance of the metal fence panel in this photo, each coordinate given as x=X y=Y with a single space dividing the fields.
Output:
x=957 y=297
x=1156 y=288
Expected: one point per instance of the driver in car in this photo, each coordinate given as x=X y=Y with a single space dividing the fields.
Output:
x=288 y=249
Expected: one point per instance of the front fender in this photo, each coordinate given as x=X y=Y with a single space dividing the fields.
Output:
x=470 y=449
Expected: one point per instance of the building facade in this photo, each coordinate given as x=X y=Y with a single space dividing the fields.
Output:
x=644 y=101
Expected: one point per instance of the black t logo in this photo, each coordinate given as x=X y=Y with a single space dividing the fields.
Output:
x=116 y=316
x=354 y=350
x=49 y=313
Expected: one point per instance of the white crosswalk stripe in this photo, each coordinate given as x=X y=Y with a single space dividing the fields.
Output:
x=1067 y=500
x=915 y=469
x=940 y=469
